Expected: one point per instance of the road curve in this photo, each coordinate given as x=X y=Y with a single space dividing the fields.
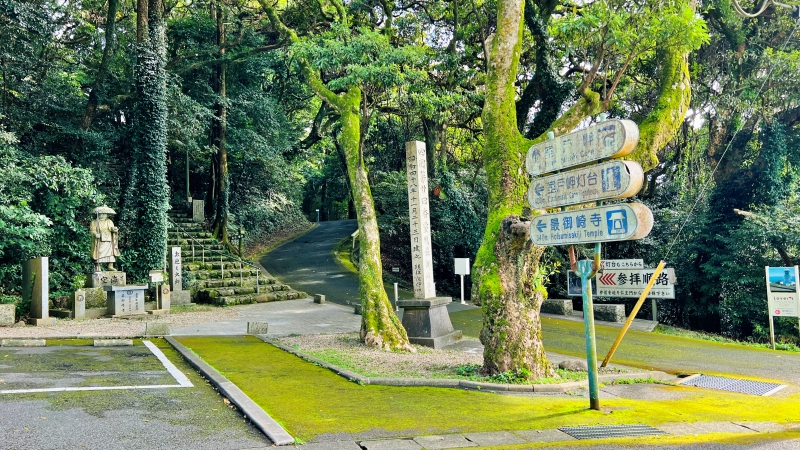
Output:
x=308 y=264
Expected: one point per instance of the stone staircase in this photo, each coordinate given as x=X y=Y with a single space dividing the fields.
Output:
x=213 y=275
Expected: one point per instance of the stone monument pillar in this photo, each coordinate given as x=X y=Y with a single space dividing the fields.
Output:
x=425 y=317
x=36 y=288
x=179 y=296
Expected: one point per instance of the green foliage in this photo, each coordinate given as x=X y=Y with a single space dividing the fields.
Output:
x=457 y=221
x=147 y=198
x=45 y=207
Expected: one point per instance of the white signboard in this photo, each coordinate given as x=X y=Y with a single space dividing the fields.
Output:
x=783 y=298
x=620 y=222
x=613 y=179
x=462 y=266
x=627 y=283
x=609 y=139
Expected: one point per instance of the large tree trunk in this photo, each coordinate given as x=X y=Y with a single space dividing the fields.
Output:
x=380 y=326
x=219 y=226
x=512 y=329
x=98 y=87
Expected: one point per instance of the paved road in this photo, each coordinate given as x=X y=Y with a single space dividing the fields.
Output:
x=308 y=264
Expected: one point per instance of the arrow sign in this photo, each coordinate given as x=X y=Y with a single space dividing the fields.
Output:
x=608 y=278
x=609 y=139
x=621 y=222
x=613 y=179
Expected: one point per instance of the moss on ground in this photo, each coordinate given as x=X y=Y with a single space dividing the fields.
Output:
x=311 y=401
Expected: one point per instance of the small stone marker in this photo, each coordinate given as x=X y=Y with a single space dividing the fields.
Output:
x=125 y=300
x=7 y=312
x=23 y=343
x=419 y=219
x=198 y=210
x=157 y=329
x=113 y=342
x=36 y=289
x=319 y=298
x=79 y=305
x=166 y=297
x=257 y=327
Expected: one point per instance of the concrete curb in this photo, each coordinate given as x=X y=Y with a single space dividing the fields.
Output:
x=467 y=384
x=249 y=408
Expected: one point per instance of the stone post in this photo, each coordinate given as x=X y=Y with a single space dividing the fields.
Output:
x=179 y=296
x=79 y=305
x=198 y=210
x=36 y=288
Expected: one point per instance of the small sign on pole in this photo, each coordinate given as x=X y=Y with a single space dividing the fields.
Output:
x=783 y=295
x=462 y=268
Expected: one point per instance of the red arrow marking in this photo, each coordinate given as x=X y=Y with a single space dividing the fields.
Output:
x=608 y=279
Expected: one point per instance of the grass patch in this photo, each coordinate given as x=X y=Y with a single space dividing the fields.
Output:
x=674 y=331
x=197 y=307
x=341 y=252
x=312 y=401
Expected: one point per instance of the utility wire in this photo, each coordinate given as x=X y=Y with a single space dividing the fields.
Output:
x=741 y=125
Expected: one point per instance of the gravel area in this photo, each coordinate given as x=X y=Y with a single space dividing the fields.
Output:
x=117 y=327
x=346 y=351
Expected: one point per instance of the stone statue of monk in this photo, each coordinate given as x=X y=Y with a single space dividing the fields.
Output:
x=105 y=247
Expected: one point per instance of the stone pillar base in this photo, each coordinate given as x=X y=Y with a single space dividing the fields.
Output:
x=427 y=322
x=181 y=298
x=46 y=322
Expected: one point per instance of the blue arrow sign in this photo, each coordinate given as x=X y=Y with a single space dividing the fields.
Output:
x=538 y=189
x=541 y=226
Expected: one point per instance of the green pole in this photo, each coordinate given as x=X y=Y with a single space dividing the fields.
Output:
x=587 y=269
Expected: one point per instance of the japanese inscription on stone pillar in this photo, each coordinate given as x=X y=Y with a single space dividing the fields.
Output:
x=176 y=280
x=419 y=220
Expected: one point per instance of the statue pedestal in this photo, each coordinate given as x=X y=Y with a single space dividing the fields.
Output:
x=125 y=300
x=427 y=322
x=107 y=278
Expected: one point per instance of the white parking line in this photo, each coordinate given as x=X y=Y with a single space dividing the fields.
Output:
x=182 y=380
x=177 y=374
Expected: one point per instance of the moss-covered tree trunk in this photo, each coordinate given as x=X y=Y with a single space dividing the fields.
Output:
x=505 y=273
x=148 y=194
x=380 y=326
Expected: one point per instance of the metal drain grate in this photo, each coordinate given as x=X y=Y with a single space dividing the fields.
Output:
x=611 y=431
x=733 y=385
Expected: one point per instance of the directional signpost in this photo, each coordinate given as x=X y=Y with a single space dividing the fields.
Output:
x=586 y=183
x=613 y=179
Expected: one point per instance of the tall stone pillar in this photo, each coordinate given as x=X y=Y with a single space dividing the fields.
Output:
x=178 y=295
x=425 y=317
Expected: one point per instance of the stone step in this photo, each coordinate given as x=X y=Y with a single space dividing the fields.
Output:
x=212 y=264
x=198 y=246
x=233 y=282
x=262 y=298
x=210 y=295
x=217 y=274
